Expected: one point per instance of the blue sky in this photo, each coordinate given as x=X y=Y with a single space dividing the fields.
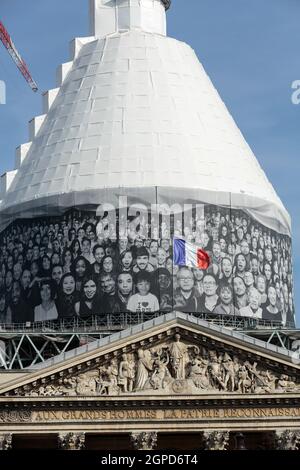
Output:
x=250 y=49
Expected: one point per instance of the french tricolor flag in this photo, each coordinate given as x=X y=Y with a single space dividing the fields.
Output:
x=187 y=254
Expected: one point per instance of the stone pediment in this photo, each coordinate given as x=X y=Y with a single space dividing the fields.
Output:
x=179 y=356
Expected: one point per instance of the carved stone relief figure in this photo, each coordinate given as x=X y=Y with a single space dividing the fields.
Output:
x=199 y=373
x=127 y=372
x=108 y=379
x=144 y=367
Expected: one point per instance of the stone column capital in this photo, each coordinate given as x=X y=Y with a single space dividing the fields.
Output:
x=144 y=440
x=71 y=441
x=216 y=440
x=5 y=441
x=288 y=439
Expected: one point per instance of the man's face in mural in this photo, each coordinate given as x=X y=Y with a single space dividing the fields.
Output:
x=10 y=263
x=107 y=284
x=57 y=274
x=161 y=256
x=204 y=239
x=46 y=263
x=123 y=242
x=254 y=299
x=17 y=271
x=244 y=248
x=268 y=271
x=153 y=247
x=45 y=241
x=164 y=281
x=86 y=246
x=55 y=259
x=268 y=255
x=185 y=280
x=209 y=285
x=198 y=274
x=142 y=262
x=16 y=293
x=8 y=279
x=261 y=284
x=254 y=265
x=223 y=245
x=249 y=279
x=240 y=234
x=272 y=296
x=165 y=244
x=125 y=284
x=26 y=278
x=216 y=250
x=139 y=242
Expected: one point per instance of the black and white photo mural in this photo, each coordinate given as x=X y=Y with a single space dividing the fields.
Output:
x=89 y=261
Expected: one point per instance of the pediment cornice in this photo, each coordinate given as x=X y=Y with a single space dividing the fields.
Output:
x=176 y=358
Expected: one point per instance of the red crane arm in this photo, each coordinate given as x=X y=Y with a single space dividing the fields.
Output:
x=12 y=50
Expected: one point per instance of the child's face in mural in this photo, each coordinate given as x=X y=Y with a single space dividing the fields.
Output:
x=68 y=286
x=143 y=287
x=226 y=295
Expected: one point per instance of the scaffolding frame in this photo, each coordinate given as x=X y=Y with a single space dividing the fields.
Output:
x=24 y=345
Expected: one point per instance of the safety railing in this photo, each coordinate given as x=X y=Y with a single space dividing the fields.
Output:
x=120 y=321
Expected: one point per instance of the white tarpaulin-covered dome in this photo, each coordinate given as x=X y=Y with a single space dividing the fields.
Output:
x=136 y=109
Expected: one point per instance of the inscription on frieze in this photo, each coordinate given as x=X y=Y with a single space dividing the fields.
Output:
x=197 y=414
x=172 y=414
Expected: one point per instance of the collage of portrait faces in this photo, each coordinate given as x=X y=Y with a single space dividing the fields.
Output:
x=75 y=266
